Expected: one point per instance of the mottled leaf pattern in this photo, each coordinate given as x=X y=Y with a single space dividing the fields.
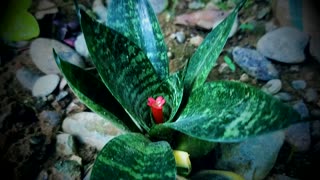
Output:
x=208 y=52
x=123 y=67
x=231 y=111
x=136 y=20
x=133 y=156
x=93 y=93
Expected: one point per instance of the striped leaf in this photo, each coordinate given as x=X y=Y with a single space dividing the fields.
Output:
x=123 y=67
x=132 y=156
x=231 y=111
x=93 y=93
x=136 y=20
x=208 y=52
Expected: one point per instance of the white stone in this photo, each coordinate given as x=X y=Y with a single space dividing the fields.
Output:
x=273 y=86
x=41 y=52
x=90 y=128
x=81 y=46
x=196 y=40
x=45 y=85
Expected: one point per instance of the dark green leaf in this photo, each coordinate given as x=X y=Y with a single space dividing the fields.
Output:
x=136 y=20
x=92 y=92
x=206 y=55
x=123 y=67
x=132 y=156
x=231 y=111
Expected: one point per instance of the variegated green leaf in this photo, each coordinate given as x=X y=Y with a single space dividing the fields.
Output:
x=132 y=156
x=123 y=67
x=206 y=55
x=93 y=93
x=230 y=111
x=136 y=20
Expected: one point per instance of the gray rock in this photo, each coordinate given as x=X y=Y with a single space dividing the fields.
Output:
x=284 y=96
x=61 y=95
x=180 y=36
x=42 y=55
x=315 y=113
x=311 y=95
x=90 y=128
x=299 y=84
x=45 y=85
x=253 y=158
x=301 y=108
x=65 y=145
x=27 y=78
x=298 y=136
x=273 y=86
x=285 y=44
x=254 y=64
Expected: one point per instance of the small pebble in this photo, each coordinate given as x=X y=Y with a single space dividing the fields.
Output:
x=180 y=37
x=273 y=86
x=61 y=95
x=301 y=108
x=63 y=83
x=299 y=84
x=244 y=77
x=224 y=68
x=45 y=85
x=311 y=95
x=284 y=96
x=27 y=78
x=294 y=68
x=196 y=40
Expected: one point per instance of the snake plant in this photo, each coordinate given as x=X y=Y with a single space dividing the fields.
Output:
x=162 y=111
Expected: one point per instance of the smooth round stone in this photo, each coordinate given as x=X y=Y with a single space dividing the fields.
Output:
x=273 y=86
x=41 y=52
x=27 y=78
x=298 y=84
x=180 y=36
x=285 y=45
x=90 y=128
x=81 y=46
x=254 y=64
x=45 y=85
